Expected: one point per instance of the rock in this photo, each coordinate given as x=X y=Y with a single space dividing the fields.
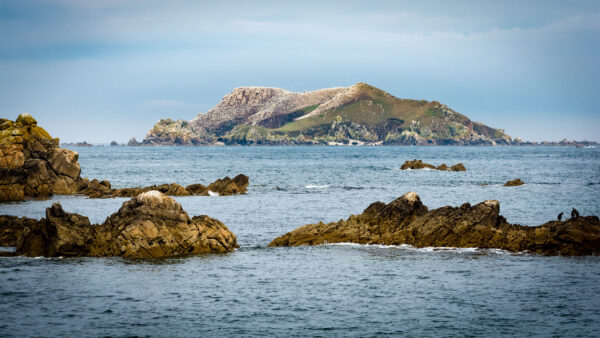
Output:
x=31 y=163
x=407 y=221
x=79 y=144
x=133 y=142
x=114 y=143
x=154 y=225
x=419 y=164
x=227 y=186
x=150 y=225
x=11 y=227
x=458 y=167
x=59 y=234
x=224 y=186
x=197 y=189
x=514 y=183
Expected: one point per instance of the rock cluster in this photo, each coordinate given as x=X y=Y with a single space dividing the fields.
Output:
x=514 y=183
x=419 y=164
x=150 y=225
x=32 y=165
x=407 y=221
x=222 y=187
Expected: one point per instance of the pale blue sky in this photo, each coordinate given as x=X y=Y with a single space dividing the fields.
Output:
x=104 y=70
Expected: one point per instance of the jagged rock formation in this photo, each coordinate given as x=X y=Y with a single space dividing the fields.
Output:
x=355 y=114
x=407 y=221
x=418 y=164
x=11 y=228
x=150 y=225
x=514 y=183
x=221 y=187
x=31 y=162
x=32 y=165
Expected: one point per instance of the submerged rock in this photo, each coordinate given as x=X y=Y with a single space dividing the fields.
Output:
x=514 y=183
x=150 y=225
x=407 y=221
x=419 y=164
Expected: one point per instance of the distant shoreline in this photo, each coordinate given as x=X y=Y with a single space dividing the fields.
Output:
x=583 y=144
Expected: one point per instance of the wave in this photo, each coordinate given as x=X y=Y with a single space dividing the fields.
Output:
x=426 y=249
x=211 y=193
x=311 y=186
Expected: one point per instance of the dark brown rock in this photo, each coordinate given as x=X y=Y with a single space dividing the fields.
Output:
x=11 y=227
x=149 y=225
x=228 y=186
x=59 y=234
x=407 y=221
x=458 y=167
x=419 y=164
x=514 y=183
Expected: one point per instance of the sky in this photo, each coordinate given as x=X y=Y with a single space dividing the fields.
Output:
x=108 y=70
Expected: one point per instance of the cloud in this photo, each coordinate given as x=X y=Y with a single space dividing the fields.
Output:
x=151 y=59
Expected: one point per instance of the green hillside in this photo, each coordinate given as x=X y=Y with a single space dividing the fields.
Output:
x=372 y=115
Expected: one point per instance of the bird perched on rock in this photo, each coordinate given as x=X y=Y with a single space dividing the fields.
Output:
x=560 y=216
x=574 y=213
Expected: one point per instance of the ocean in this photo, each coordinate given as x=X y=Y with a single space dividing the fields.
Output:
x=330 y=290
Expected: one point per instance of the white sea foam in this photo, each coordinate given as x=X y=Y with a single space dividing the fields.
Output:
x=312 y=186
x=212 y=193
x=425 y=249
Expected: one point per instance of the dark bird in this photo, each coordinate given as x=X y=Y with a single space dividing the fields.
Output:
x=574 y=213
x=560 y=216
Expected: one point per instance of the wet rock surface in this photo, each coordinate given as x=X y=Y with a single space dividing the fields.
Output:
x=419 y=164
x=407 y=221
x=150 y=225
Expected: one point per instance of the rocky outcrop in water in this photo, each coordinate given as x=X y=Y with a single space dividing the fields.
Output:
x=150 y=225
x=221 y=187
x=419 y=164
x=514 y=183
x=32 y=165
x=31 y=162
x=407 y=221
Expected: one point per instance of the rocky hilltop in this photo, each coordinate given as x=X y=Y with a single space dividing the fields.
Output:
x=150 y=225
x=359 y=114
x=407 y=221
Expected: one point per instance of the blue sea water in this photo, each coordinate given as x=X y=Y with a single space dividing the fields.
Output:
x=331 y=290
